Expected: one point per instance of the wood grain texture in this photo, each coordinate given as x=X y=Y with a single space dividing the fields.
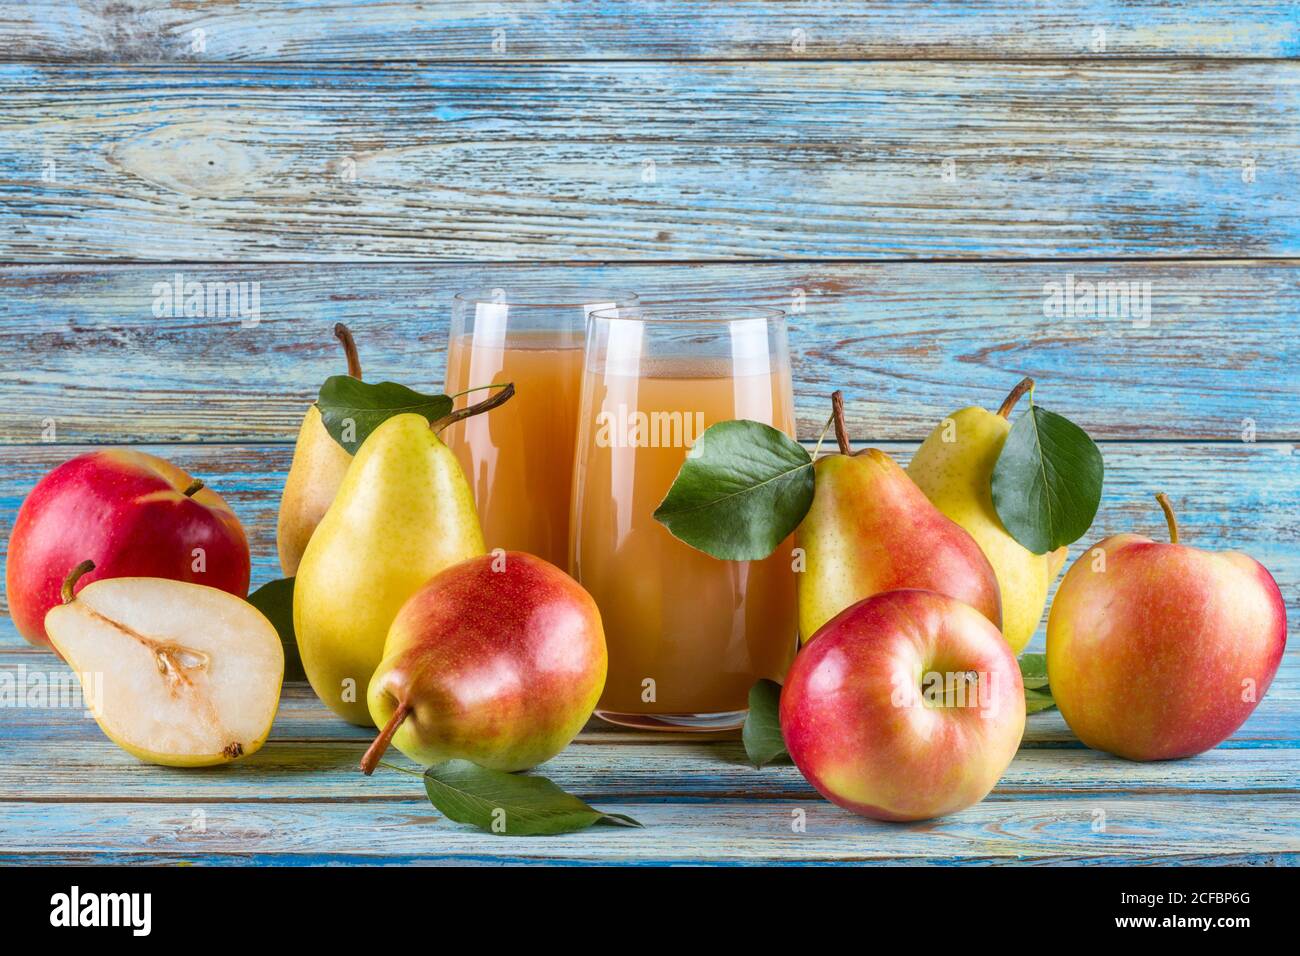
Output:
x=1228 y=495
x=1243 y=828
x=908 y=342
x=629 y=161
x=303 y=719
x=354 y=30
x=611 y=770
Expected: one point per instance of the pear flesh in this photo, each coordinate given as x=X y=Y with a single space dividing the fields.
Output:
x=175 y=673
x=954 y=467
x=403 y=513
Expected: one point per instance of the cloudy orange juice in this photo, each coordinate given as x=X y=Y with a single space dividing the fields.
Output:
x=687 y=634
x=519 y=457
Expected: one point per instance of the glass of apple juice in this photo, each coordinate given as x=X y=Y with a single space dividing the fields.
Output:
x=688 y=634
x=519 y=458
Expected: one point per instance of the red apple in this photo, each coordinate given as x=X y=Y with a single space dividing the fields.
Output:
x=134 y=515
x=499 y=659
x=1157 y=651
x=905 y=706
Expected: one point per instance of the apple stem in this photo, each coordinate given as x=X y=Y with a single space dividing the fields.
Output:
x=193 y=488
x=1008 y=403
x=378 y=748
x=500 y=398
x=344 y=335
x=841 y=429
x=70 y=582
x=1169 y=517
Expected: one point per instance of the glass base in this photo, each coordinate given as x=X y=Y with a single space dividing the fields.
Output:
x=682 y=723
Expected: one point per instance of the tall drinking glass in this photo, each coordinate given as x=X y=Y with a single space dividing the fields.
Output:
x=687 y=634
x=519 y=457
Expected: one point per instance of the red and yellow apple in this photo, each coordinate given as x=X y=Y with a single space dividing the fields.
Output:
x=905 y=706
x=1157 y=651
x=133 y=515
x=499 y=659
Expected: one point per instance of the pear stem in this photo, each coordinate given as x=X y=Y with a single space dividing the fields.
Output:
x=841 y=429
x=500 y=398
x=1022 y=386
x=1169 y=517
x=380 y=746
x=344 y=335
x=193 y=488
x=70 y=582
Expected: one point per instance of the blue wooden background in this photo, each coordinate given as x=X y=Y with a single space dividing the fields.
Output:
x=908 y=179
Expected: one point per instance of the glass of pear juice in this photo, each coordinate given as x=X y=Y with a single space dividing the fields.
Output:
x=687 y=634
x=519 y=459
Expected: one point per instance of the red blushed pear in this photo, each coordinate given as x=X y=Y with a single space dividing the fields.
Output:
x=499 y=660
x=906 y=706
x=1157 y=651
x=871 y=529
x=133 y=515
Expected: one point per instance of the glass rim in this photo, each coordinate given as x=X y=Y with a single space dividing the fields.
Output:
x=692 y=315
x=575 y=296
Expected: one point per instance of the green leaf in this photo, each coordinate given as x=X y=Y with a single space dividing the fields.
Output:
x=1033 y=670
x=762 y=733
x=510 y=804
x=351 y=409
x=1047 y=481
x=741 y=491
x=1033 y=674
x=1036 y=700
x=275 y=600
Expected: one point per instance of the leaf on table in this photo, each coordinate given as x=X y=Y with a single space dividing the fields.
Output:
x=351 y=409
x=1047 y=481
x=275 y=600
x=510 y=804
x=1033 y=670
x=762 y=733
x=1033 y=673
x=741 y=491
x=1036 y=700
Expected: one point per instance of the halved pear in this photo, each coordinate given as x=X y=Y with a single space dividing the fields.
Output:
x=176 y=674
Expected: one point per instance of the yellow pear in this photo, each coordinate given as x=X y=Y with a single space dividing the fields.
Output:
x=319 y=463
x=954 y=467
x=403 y=513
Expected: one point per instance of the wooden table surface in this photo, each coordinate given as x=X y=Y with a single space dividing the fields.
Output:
x=909 y=179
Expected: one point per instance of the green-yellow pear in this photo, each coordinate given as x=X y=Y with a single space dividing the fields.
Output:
x=319 y=463
x=403 y=513
x=954 y=467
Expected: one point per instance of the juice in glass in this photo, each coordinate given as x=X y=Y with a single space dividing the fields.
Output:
x=518 y=457
x=687 y=634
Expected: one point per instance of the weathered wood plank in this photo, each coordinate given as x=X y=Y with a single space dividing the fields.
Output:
x=357 y=30
x=677 y=770
x=303 y=719
x=909 y=342
x=1002 y=829
x=650 y=161
x=1228 y=495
